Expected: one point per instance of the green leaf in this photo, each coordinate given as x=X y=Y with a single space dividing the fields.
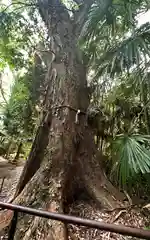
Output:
x=132 y=157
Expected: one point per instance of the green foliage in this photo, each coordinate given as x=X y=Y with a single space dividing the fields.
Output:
x=11 y=42
x=117 y=50
x=132 y=155
x=20 y=113
x=147 y=228
x=126 y=53
x=111 y=41
x=20 y=31
x=18 y=110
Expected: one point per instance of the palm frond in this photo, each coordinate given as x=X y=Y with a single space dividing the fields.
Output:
x=105 y=40
x=132 y=156
x=119 y=15
x=124 y=55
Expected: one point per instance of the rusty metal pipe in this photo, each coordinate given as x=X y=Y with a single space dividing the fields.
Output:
x=128 y=231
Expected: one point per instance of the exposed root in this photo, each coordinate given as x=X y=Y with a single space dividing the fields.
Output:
x=118 y=215
x=47 y=195
x=40 y=229
x=5 y=219
x=96 y=182
x=129 y=198
x=102 y=191
x=102 y=197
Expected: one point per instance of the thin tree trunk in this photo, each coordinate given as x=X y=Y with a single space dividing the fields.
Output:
x=8 y=148
x=144 y=98
x=2 y=184
x=18 y=152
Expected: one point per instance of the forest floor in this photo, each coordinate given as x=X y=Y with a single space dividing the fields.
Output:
x=10 y=184
x=133 y=217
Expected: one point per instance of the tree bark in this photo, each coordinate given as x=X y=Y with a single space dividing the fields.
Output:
x=69 y=162
x=35 y=157
x=143 y=89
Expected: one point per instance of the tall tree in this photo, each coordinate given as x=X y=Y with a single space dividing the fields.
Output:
x=68 y=163
x=70 y=141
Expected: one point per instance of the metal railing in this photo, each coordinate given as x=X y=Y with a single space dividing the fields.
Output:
x=128 y=231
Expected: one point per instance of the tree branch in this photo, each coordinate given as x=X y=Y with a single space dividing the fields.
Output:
x=17 y=3
x=81 y=15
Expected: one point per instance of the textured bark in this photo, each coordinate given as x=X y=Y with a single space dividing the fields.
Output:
x=69 y=162
x=35 y=157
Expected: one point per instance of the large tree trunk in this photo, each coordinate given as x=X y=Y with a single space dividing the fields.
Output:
x=70 y=161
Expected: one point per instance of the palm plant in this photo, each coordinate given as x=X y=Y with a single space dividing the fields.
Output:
x=118 y=53
x=131 y=156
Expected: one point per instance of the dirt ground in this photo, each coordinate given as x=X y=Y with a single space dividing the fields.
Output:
x=131 y=217
x=10 y=184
